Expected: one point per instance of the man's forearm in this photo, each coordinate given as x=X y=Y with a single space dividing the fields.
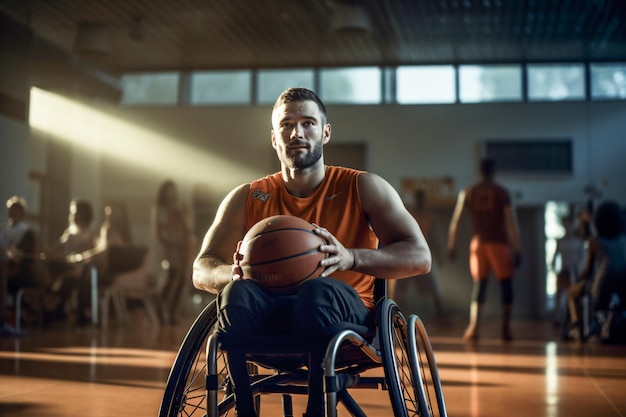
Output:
x=399 y=260
x=210 y=274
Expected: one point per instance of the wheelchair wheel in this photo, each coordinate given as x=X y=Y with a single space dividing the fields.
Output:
x=403 y=379
x=185 y=391
x=423 y=359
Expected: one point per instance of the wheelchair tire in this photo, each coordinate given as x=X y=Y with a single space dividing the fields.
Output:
x=405 y=388
x=423 y=359
x=185 y=391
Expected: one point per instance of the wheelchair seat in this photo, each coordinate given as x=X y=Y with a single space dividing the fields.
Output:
x=199 y=380
x=290 y=351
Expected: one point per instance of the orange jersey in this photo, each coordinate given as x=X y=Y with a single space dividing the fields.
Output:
x=486 y=201
x=335 y=205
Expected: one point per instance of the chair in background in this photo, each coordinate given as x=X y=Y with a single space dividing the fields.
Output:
x=136 y=283
x=36 y=296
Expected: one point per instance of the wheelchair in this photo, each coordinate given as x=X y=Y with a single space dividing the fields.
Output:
x=199 y=385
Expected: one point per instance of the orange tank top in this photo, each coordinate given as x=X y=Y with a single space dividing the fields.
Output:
x=335 y=205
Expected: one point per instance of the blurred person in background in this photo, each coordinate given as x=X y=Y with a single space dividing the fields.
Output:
x=174 y=234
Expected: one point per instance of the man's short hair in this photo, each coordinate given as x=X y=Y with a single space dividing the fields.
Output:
x=488 y=167
x=300 y=94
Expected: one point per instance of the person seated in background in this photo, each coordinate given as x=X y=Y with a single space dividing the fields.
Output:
x=20 y=263
x=113 y=253
x=606 y=255
x=79 y=235
x=114 y=231
x=566 y=263
x=63 y=256
x=174 y=234
x=114 y=234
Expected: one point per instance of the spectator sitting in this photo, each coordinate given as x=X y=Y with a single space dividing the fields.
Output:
x=62 y=257
x=566 y=262
x=18 y=253
x=606 y=255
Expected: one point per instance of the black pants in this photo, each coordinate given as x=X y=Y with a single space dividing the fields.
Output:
x=247 y=310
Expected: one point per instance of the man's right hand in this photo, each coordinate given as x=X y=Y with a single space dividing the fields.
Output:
x=237 y=272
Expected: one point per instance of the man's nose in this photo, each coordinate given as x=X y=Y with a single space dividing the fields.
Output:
x=296 y=132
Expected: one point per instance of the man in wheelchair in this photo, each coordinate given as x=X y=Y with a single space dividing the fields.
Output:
x=361 y=216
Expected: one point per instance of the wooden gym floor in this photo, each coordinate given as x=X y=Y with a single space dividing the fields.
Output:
x=121 y=372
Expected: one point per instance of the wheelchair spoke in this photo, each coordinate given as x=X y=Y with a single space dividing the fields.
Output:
x=424 y=361
x=397 y=363
x=405 y=373
x=185 y=391
x=194 y=393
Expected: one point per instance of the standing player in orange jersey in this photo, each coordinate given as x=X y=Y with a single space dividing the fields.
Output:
x=495 y=245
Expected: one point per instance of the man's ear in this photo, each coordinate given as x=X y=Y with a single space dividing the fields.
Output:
x=273 y=138
x=327 y=130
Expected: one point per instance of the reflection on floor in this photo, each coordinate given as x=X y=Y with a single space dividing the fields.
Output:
x=122 y=371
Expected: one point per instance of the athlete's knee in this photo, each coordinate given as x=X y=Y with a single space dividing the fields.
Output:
x=322 y=302
x=240 y=304
x=507 y=291
x=239 y=291
x=479 y=292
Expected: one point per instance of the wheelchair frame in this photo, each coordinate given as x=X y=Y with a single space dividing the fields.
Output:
x=198 y=383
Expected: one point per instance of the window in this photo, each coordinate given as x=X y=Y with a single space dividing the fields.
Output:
x=221 y=87
x=425 y=84
x=153 y=88
x=608 y=81
x=360 y=85
x=270 y=83
x=556 y=82
x=540 y=157
x=485 y=83
x=405 y=84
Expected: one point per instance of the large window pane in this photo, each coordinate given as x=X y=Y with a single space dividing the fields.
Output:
x=608 y=81
x=351 y=85
x=270 y=83
x=221 y=87
x=484 y=83
x=154 y=88
x=425 y=84
x=556 y=82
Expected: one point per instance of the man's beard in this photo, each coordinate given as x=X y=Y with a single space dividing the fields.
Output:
x=308 y=160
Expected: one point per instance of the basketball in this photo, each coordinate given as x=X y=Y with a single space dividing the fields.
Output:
x=280 y=253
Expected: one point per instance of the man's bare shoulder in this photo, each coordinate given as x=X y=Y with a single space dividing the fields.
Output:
x=238 y=193
x=371 y=180
x=234 y=204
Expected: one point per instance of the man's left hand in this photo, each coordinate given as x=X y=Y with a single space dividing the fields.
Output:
x=339 y=257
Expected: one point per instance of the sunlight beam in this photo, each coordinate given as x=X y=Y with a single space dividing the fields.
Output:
x=139 y=146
